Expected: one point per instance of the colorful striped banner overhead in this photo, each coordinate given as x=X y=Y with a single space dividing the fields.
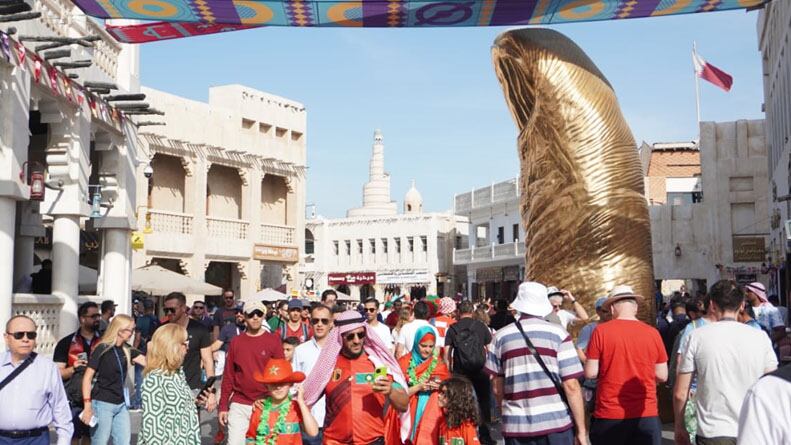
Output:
x=242 y=14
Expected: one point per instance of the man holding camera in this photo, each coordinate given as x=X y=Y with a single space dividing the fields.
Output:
x=71 y=356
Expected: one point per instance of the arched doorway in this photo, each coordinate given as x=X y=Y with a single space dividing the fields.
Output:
x=343 y=288
x=367 y=291
x=310 y=247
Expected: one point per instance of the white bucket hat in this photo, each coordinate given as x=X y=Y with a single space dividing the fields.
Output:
x=532 y=299
x=618 y=293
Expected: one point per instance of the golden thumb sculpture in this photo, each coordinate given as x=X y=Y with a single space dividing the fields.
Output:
x=585 y=215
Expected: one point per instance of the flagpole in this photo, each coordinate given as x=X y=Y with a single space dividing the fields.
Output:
x=697 y=85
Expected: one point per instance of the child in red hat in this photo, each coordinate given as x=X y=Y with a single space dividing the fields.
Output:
x=277 y=419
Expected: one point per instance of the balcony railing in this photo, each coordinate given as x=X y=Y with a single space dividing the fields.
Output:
x=486 y=196
x=45 y=311
x=227 y=228
x=489 y=252
x=61 y=17
x=277 y=234
x=170 y=222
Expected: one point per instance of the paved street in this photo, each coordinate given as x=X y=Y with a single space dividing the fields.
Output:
x=209 y=421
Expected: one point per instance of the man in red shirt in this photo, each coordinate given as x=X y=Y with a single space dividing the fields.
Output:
x=247 y=356
x=629 y=359
x=346 y=373
x=295 y=326
x=392 y=318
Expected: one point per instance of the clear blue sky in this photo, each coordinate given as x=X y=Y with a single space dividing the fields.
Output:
x=434 y=94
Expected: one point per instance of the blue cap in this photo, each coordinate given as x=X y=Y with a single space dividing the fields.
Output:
x=600 y=302
x=294 y=304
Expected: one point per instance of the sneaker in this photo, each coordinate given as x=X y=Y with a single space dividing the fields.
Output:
x=136 y=410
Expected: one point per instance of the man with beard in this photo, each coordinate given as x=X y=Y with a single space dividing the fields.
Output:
x=305 y=357
x=350 y=374
x=71 y=356
x=247 y=356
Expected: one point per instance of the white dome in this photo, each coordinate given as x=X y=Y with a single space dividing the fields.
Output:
x=413 y=201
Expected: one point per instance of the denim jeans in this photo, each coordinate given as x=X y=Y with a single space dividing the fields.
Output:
x=137 y=399
x=560 y=438
x=112 y=420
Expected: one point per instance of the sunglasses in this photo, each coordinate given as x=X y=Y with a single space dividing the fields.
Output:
x=255 y=313
x=198 y=307
x=353 y=335
x=324 y=321
x=370 y=310
x=169 y=310
x=31 y=335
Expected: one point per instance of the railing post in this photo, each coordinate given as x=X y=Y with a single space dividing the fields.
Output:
x=492 y=254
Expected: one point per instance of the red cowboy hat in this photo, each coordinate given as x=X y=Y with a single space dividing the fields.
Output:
x=278 y=370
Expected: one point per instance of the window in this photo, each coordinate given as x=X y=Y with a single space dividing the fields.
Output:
x=247 y=123
x=410 y=244
x=424 y=242
x=500 y=235
x=295 y=135
x=372 y=241
x=264 y=128
x=398 y=245
x=515 y=230
x=384 y=245
x=359 y=247
x=335 y=247
x=280 y=132
x=348 y=247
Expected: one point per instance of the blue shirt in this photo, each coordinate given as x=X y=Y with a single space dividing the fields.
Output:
x=35 y=398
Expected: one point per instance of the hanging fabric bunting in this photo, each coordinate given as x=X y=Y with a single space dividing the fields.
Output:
x=53 y=80
x=153 y=32
x=378 y=13
x=36 y=68
x=21 y=53
x=5 y=47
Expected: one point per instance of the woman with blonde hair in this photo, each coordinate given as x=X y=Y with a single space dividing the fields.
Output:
x=404 y=317
x=169 y=412
x=107 y=402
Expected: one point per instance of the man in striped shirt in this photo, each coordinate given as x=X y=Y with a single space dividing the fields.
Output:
x=533 y=409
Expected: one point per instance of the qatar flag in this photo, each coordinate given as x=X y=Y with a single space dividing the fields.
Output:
x=707 y=71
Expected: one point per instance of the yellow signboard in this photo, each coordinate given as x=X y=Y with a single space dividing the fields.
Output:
x=137 y=240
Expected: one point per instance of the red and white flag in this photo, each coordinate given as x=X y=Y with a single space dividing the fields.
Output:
x=711 y=73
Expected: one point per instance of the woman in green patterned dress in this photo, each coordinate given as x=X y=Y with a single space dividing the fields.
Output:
x=170 y=416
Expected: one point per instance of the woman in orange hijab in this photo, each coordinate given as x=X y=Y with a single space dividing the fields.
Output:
x=424 y=370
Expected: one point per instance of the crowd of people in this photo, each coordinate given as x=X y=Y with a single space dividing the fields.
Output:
x=438 y=371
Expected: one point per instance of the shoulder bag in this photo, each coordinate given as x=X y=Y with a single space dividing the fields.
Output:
x=552 y=377
x=18 y=370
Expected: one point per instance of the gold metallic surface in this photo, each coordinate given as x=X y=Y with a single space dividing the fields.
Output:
x=586 y=219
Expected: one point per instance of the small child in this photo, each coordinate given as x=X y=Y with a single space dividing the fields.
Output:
x=289 y=344
x=277 y=419
x=460 y=410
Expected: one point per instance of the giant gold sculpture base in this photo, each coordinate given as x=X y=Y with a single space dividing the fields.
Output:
x=586 y=219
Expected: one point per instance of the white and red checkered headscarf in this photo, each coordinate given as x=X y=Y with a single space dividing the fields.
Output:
x=377 y=352
x=446 y=305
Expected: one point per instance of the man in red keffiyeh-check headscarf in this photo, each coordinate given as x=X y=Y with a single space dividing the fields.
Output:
x=361 y=409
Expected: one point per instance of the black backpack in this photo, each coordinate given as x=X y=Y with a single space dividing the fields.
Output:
x=469 y=352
